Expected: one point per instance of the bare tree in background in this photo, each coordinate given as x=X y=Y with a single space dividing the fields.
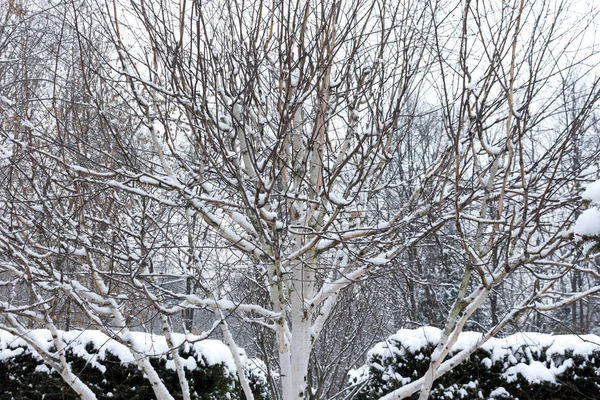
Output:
x=174 y=154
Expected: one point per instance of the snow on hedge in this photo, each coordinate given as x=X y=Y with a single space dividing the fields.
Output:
x=592 y=192
x=205 y=352
x=413 y=340
x=588 y=223
x=513 y=362
x=109 y=369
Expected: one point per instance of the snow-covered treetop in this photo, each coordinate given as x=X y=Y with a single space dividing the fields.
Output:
x=588 y=223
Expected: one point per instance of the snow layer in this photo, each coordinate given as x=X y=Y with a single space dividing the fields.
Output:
x=515 y=349
x=205 y=352
x=535 y=372
x=417 y=339
x=499 y=392
x=588 y=223
x=592 y=192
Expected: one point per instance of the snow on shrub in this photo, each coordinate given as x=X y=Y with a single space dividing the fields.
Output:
x=110 y=370
x=587 y=225
x=523 y=366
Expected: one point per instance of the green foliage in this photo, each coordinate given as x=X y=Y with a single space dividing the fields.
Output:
x=576 y=376
x=24 y=378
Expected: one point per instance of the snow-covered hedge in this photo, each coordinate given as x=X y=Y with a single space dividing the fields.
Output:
x=523 y=366
x=110 y=370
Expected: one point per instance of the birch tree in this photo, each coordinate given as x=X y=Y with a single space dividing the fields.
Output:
x=514 y=196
